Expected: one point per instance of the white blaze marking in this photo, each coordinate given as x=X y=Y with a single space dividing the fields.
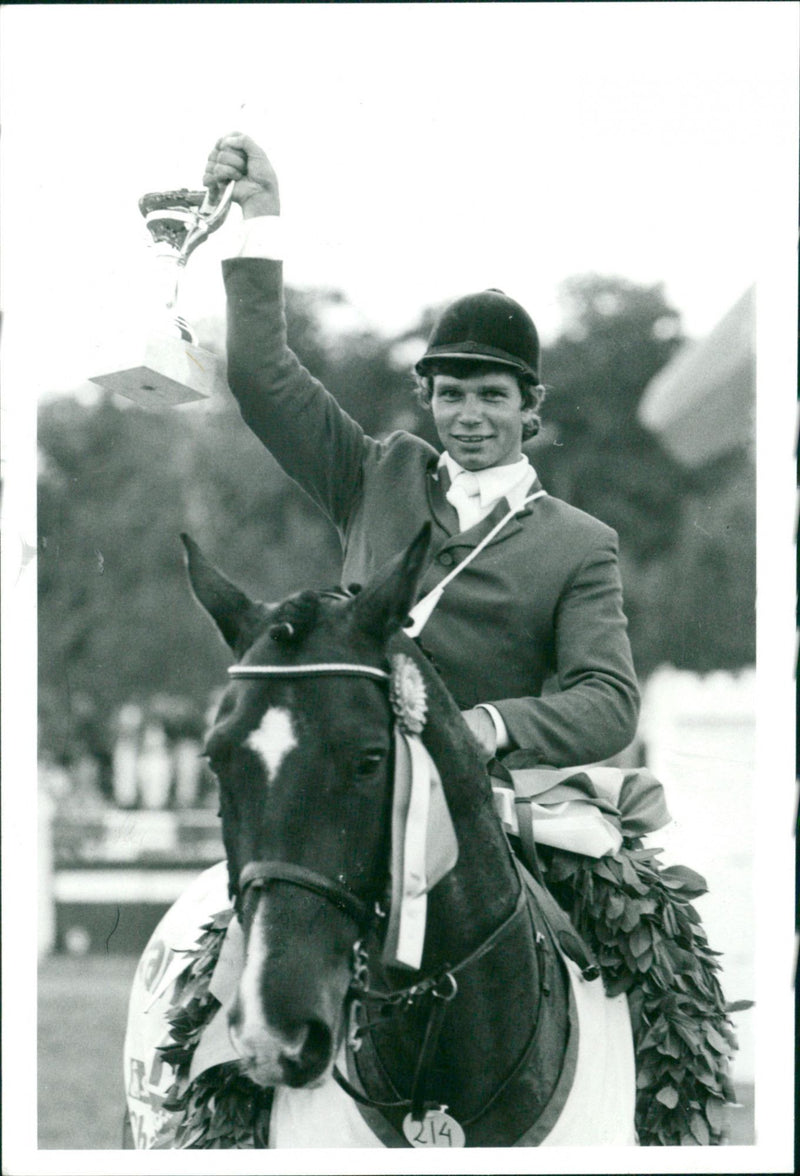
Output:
x=273 y=740
x=253 y=1026
x=255 y=1038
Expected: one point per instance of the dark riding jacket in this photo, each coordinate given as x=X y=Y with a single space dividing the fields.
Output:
x=533 y=626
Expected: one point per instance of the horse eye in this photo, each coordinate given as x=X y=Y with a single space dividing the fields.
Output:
x=368 y=763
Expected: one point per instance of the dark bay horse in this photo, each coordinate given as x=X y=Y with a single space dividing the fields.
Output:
x=492 y=1023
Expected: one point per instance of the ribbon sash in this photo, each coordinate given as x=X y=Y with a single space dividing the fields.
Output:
x=422 y=610
x=424 y=849
x=586 y=810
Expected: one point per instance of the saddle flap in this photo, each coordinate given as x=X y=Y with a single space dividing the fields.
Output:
x=571 y=943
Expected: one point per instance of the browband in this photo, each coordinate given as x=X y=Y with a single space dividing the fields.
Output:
x=310 y=669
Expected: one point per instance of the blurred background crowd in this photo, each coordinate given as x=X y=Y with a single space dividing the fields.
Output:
x=143 y=756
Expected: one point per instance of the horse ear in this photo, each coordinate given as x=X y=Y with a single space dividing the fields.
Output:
x=384 y=603
x=237 y=617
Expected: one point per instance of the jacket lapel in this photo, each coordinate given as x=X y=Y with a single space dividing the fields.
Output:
x=473 y=536
x=445 y=514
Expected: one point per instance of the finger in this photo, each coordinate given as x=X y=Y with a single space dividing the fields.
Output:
x=238 y=140
x=213 y=155
x=222 y=166
x=231 y=157
x=225 y=167
x=222 y=174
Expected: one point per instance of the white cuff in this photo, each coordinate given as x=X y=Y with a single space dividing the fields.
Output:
x=259 y=236
x=503 y=738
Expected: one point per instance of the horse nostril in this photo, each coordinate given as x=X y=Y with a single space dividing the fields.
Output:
x=313 y=1058
x=317 y=1050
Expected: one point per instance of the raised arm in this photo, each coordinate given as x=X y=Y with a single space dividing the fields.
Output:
x=291 y=413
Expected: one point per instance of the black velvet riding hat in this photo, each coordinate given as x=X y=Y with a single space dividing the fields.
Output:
x=489 y=326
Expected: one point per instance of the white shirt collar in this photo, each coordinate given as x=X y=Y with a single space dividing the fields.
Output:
x=496 y=482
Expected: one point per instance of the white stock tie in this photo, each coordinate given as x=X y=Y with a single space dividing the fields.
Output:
x=465 y=496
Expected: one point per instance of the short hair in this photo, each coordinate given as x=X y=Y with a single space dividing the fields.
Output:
x=532 y=393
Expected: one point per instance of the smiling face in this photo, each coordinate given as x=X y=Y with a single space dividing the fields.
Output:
x=480 y=418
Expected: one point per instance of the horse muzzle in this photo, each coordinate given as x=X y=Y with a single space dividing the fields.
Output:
x=300 y=1057
x=287 y=1019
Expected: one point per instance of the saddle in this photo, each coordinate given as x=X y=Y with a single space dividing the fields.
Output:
x=586 y=811
x=578 y=832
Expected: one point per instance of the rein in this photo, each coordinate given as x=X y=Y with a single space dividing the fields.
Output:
x=441 y=989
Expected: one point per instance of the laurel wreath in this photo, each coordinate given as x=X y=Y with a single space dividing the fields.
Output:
x=220 y=1108
x=649 y=942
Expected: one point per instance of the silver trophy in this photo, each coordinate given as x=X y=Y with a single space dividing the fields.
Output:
x=172 y=368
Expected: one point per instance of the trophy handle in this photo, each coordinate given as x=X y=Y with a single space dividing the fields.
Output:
x=208 y=218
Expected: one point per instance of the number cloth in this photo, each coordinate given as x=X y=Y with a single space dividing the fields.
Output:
x=596 y=1106
x=148 y=1077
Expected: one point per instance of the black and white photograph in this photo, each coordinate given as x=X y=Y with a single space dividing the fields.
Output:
x=398 y=507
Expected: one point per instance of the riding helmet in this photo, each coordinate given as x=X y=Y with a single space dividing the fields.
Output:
x=488 y=325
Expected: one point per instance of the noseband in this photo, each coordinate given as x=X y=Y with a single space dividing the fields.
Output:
x=258 y=874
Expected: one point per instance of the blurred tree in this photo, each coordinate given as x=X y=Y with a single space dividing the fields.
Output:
x=687 y=538
x=112 y=618
x=593 y=452
x=708 y=617
x=359 y=367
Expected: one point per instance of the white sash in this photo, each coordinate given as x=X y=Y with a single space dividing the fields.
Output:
x=422 y=610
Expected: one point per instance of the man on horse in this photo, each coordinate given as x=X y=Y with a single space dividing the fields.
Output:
x=520 y=598
x=530 y=638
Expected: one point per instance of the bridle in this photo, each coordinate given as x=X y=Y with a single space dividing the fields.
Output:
x=256 y=874
x=437 y=990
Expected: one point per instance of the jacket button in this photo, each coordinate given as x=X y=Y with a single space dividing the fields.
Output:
x=445 y=559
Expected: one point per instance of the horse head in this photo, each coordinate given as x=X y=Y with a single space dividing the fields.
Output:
x=302 y=748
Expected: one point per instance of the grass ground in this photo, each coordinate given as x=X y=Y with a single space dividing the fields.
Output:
x=83 y=1004
x=82 y=1008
